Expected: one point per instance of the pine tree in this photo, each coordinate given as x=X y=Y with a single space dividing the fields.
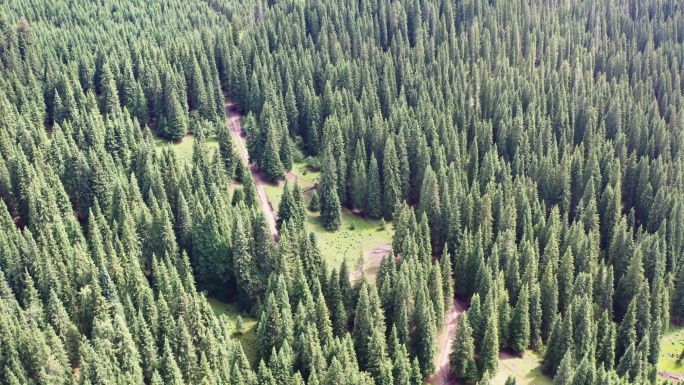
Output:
x=243 y=266
x=560 y=341
x=271 y=164
x=535 y=316
x=286 y=207
x=430 y=204
x=437 y=294
x=315 y=204
x=447 y=280
x=401 y=371
x=363 y=327
x=549 y=301
x=170 y=371
x=605 y=350
x=269 y=328
x=626 y=334
x=391 y=181
x=331 y=210
x=286 y=152
x=110 y=94
x=227 y=150
x=358 y=184
x=463 y=352
x=678 y=296
x=489 y=351
x=176 y=123
x=520 y=323
x=374 y=197
x=426 y=333
x=566 y=370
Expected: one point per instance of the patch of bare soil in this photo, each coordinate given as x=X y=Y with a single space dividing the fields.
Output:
x=370 y=262
x=442 y=374
x=671 y=376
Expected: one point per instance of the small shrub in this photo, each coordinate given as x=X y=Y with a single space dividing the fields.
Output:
x=383 y=224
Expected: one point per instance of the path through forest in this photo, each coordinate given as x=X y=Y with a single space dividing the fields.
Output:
x=671 y=376
x=442 y=374
x=235 y=125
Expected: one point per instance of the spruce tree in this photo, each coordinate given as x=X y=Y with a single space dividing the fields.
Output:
x=566 y=370
x=437 y=294
x=426 y=333
x=678 y=296
x=489 y=351
x=391 y=181
x=374 y=202
x=358 y=185
x=447 y=280
x=315 y=204
x=271 y=164
x=331 y=210
x=560 y=341
x=176 y=125
x=463 y=352
x=520 y=323
x=549 y=301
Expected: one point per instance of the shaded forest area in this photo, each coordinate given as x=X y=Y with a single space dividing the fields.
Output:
x=527 y=155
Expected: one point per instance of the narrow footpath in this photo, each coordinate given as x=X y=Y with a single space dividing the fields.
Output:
x=442 y=374
x=235 y=124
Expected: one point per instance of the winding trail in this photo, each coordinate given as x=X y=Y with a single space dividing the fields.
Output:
x=238 y=134
x=442 y=374
x=671 y=376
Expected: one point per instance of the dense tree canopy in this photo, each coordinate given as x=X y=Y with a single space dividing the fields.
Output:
x=528 y=154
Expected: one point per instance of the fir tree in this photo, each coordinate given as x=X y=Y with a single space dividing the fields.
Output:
x=330 y=202
x=463 y=352
x=315 y=204
x=489 y=351
x=271 y=164
x=520 y=323
x=374 y=196
x=426 y=333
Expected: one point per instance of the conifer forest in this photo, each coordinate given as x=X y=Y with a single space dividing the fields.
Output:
x=178 y=179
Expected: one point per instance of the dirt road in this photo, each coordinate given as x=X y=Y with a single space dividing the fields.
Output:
x=671 y=376
x=236 y=131
x=442 y=374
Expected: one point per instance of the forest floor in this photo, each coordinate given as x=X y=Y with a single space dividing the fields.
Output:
x=366 y=242
x=235 y=125
x=526 y=369
x=246 y=337
x=184 y=148
x=370 y=263
x=442 y=374
x=672 y=345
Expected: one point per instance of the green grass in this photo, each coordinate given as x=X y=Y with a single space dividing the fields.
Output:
x=183 y=149
x=248 y=336
x=526 y=370
x=671 y=347
x=335 y=246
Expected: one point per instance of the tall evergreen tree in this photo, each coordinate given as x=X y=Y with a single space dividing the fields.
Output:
x=374 y=201
x=520 y=323
x=330 y=202
x=463 y=352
